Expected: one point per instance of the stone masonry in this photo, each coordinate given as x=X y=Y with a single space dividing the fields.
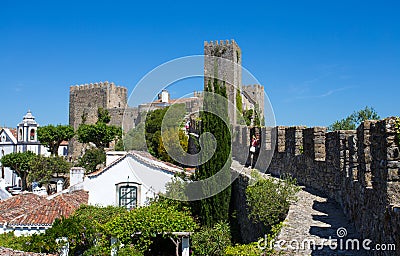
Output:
x=360 y=170
x=85 y=100
x=223 y=60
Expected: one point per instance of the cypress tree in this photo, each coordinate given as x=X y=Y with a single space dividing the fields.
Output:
x=216 y=208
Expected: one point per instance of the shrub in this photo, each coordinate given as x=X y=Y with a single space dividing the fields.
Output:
x=269 y=199
x=243 y=250
x=140 y=226
x=9 y=240
x=211 y=241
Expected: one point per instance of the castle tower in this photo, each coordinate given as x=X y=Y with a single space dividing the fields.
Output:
x=229 y=71
x=85 y=100
x=256 y=93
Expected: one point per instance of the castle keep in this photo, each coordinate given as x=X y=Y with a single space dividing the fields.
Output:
x=85 y=100
x=227 y=70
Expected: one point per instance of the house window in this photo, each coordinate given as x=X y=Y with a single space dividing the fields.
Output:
x=128 y=196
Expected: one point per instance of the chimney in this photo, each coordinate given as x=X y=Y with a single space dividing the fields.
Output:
x=164 y=96
x=112 y=156
x=59 y=186
x=76 y=175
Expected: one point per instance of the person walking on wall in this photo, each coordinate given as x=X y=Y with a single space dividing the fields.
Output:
x=254 y=151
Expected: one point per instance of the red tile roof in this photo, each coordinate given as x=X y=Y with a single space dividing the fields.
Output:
x=11 y=252
x=64 y=143
x=29 y=209
x=14 y=132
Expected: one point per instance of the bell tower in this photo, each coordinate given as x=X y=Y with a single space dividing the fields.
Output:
x=27 y=134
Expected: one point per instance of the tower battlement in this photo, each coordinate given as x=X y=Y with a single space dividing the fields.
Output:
x=254 y=86
x=86 y=99
x=90 y=86
x=220 y=42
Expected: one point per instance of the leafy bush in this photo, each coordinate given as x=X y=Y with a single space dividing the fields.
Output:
x=137 y=228
x=211 y=241
x=84 y=230
x=243 y=250
x=269 y=199
x=9 y=240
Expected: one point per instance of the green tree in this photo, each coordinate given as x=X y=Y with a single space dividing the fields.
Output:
x=216 y=208
x=250 y=114
x=92 y=159
x=51 y=136
x=21 y=163
x=135 y=139
x=352 y=121
x=103 y=116
x=101 y=134
x=148 y=135
x=43 y=168
x=174 y=146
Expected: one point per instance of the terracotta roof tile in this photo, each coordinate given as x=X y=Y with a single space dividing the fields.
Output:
x=28 y=209
x=64 y=143
x=14 y=132
x=11 y=252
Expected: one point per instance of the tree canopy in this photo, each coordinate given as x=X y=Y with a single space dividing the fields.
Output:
x=43 y=168
x=161 y=131
x=352 y=121
x=51 y=136
x=100 y=133
x=21 y=163
x=92 y=159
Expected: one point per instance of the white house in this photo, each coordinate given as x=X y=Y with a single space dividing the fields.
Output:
x=22 y=139
x=130 y=179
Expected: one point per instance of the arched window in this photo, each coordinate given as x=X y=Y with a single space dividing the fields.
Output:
x=20 y=134
x=32 y=134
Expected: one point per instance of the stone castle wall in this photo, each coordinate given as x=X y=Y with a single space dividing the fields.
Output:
x=86 y=99
x=229 y=71
x=359 y=169
x=256 y=92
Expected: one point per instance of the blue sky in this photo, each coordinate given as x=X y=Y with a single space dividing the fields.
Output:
x=318 y=60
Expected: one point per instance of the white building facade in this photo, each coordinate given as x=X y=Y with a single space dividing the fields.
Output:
x=129 y=180
x=22 y=139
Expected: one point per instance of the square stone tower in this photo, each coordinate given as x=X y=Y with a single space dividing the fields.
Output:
x=85 y=100
x=228 y=70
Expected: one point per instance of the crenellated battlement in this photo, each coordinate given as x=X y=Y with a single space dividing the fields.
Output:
x=220 y=43
x=359 y=169
x=99 y=85
x=254 y=86
x=86 y=99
